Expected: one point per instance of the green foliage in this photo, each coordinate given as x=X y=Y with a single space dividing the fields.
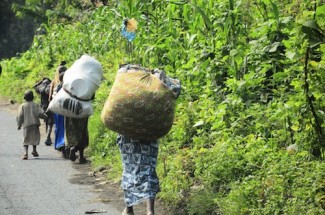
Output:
x=253 y=84
x=49 y=11
x=280 y=187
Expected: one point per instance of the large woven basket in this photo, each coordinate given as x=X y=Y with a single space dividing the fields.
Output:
x=139 y=106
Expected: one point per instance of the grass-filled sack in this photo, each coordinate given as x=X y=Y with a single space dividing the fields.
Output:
x=141 y=103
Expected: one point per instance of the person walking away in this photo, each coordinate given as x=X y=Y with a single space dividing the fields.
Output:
x=42 y=88
x=59 y=121
x=28 y=118
x=59 y=142
x=139 y=179
x=76 y=137
x=61 y=68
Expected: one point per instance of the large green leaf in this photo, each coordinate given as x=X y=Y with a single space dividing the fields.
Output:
x=313 y=32
x=275 y=11
x=207 y=22
x=320 y=15
x=274 y=46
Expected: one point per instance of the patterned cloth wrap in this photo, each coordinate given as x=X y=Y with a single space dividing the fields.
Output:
x=141 y=103
x=139 y=179
x=80 y=82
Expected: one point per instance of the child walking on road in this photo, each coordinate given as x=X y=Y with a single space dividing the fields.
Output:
x=28 y=118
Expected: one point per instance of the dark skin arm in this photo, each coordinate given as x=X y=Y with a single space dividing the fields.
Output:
x=51 y=91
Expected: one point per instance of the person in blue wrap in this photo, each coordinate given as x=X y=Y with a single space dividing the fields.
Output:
x=139 y=157
x=139 y=179
x=56 y=85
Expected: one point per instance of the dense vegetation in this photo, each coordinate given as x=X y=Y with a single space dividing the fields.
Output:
x=10 y=27
x=249 y=134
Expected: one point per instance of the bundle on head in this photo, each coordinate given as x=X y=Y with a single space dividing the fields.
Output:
x=80 y=82
x=43 y=88
x=141 y=103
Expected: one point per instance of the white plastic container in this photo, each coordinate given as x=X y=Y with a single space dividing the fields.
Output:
x=63 y=104
x=83 y=78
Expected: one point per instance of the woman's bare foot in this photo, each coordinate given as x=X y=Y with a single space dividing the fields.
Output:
x=35 y=154
x=24 y=157
x=128 y=211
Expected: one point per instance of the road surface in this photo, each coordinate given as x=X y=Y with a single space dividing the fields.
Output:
x=44 y=185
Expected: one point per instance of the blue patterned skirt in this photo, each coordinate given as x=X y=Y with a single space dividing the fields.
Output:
x=139 y=179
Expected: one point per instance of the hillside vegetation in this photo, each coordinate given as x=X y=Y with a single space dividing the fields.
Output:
x=248 y=136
